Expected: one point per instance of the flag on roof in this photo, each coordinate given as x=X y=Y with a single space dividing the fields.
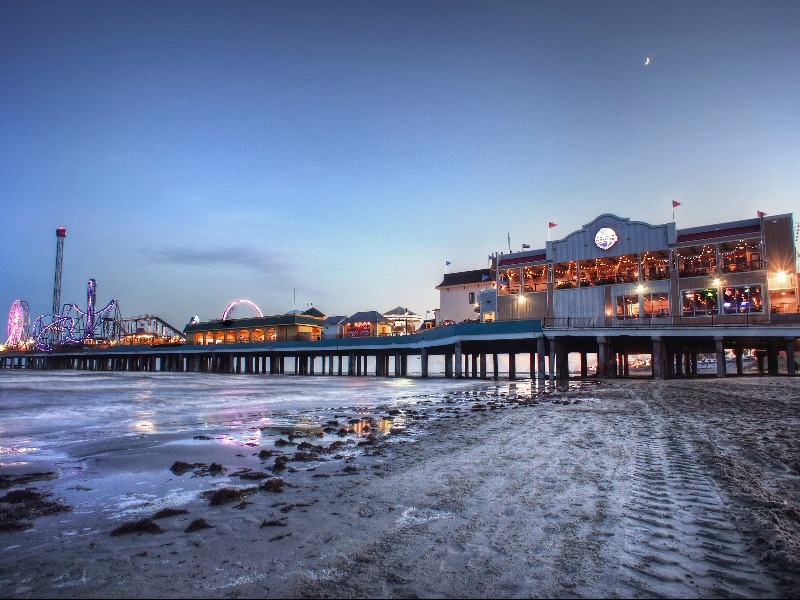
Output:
x=675 y=203
x=761 y=215
x=447 y=262
x=551 y=224
x=525 y=246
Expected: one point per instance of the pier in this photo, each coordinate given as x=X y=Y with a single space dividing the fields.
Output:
x=469 y=350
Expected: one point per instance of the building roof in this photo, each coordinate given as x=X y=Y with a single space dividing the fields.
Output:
x=400 y=312
x=313 y=312
x=335 y=320
x=271 y=321
x=368 y=316
x=466 y=277
x=718 y=230
x=523 y=258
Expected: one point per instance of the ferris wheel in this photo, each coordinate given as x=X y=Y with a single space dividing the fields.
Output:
x=19 y=323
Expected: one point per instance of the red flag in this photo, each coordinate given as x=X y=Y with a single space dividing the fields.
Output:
x=550 y=224
x=761 y=215
x=675 y=203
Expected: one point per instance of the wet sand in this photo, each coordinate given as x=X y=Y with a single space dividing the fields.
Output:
x=616 y=489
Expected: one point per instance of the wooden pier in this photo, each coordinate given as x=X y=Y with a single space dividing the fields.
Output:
x=468 y=350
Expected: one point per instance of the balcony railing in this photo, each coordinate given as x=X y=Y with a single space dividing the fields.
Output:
x=746 y=319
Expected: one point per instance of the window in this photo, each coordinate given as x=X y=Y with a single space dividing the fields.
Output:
x=565 y=275
x=609 y=270
x=696 y=261
x=698 y=303
x=655 y=266
x=508 y=282
x=741 y=256
x=471 y=299
x=535 y=278
x=742 y=299
x=656 y=305
x=627 y=307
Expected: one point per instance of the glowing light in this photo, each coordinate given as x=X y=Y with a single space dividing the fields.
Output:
x=605 y=238
x=781 y=276
x=640 y=288
x=716 y=281
x=19 y=323
x=74 y=326
x=230 y=306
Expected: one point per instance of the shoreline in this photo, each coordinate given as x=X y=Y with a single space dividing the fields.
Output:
x=603 y=489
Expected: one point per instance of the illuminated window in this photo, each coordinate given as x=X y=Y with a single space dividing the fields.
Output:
x=698 y=303
x=627 y=307
x=696 y=261
x=508 y=281
x=742 y=299
x=534 y=279
x=656 y=305
x=565 y=275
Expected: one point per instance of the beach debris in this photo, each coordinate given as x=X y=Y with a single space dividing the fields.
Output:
x=197 y=525
x=251 y=475
x=286 y=507
x=279 y=537
x=275 y=484
x=226 y=495
x=202 y=437
x=350 y=469
x=142 y=526
x=165 y=513
x=19 y=506
x=7 y=481
x=311 y=447
x=273 y=523
x=200 y=469
x=264 y=454
x=179 y=467
x=335 y=446
x=282 y=442
x=280 y=463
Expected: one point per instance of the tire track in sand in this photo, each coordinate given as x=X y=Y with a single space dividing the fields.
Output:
x=678 y=538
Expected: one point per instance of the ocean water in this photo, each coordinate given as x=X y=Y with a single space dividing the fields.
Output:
x=44 y=415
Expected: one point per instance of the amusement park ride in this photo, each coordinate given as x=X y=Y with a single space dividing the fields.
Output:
x=69 y=326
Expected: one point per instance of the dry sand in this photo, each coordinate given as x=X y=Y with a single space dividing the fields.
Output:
x=616 y=489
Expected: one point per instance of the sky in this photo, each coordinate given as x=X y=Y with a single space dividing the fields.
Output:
x=337 y=154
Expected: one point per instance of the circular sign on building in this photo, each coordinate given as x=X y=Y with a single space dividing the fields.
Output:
x=605 y=238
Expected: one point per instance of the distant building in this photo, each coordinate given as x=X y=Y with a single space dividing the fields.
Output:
x=458 y=295
x=333 y=327
x=403 y=320
x=367 y=324
x=305 y=326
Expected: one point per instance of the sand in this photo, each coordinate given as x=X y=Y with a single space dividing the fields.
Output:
x=616 y=489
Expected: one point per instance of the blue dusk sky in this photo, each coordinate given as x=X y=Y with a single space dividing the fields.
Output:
x=338 y=153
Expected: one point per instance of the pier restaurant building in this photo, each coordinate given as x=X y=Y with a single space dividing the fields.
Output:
x=306 y=326
x=614 y=271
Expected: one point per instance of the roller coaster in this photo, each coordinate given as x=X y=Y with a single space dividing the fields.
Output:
x=74 y=327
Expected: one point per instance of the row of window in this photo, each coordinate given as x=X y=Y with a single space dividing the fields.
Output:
x=651 y=266
x=694 y=303
x=232 y=336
